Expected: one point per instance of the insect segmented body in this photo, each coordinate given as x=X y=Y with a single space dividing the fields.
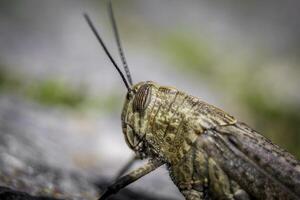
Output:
x=209 y=154
x=168 y=121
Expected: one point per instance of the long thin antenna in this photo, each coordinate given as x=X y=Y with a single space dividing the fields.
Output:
x=87 y=18
x=117 y=37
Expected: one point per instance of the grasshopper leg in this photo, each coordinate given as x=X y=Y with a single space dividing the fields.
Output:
x=131 y=177
x=238 y=192
x=126 y=167
x=192 y=195
x=191 y=175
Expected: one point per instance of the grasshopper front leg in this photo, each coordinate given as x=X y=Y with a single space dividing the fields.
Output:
x=131 y=177
x=126 y=167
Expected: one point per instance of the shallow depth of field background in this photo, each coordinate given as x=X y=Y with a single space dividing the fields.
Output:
x=59 y=91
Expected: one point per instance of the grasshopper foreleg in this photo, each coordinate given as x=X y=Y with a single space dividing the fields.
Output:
x=126 y=167
x=131 y=177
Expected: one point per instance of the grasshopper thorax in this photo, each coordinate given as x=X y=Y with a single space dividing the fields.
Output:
x=151 y=119
x=164 y=122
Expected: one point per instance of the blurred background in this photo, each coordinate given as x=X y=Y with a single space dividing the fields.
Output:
x=61 y=98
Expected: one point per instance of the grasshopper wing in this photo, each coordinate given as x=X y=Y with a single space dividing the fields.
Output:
x=263 y=169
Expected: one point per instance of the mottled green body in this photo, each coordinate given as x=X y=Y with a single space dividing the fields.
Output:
x=209 y=154
x=172 y=121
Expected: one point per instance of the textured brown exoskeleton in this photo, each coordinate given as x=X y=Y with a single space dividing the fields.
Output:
x=209 y=154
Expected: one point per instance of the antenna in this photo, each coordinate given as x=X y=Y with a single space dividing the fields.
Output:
x=90 y=23
x=117 y=37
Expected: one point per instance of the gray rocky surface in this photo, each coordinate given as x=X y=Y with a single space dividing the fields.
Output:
x=36 y=161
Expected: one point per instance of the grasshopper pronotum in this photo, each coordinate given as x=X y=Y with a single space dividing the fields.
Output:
x=209 y=154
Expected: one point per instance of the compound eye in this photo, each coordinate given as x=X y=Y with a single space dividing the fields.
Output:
x=142 y=98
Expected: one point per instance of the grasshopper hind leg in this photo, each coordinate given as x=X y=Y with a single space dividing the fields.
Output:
x=190 y=175
x=199 y=177
x=192 y=194
x=221 y=186
x=238 y=192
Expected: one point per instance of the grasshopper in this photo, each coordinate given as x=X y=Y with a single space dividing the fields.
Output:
x=208 y=153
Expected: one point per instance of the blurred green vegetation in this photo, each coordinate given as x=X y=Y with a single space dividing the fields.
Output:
x=188 y=54
x=56 y=93
x=279 y=121
x=7 y=81
x=51 y=92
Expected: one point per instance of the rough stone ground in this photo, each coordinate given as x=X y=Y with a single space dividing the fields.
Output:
x=31 y=166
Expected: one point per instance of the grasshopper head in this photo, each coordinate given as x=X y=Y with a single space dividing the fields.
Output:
x=134 y=111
